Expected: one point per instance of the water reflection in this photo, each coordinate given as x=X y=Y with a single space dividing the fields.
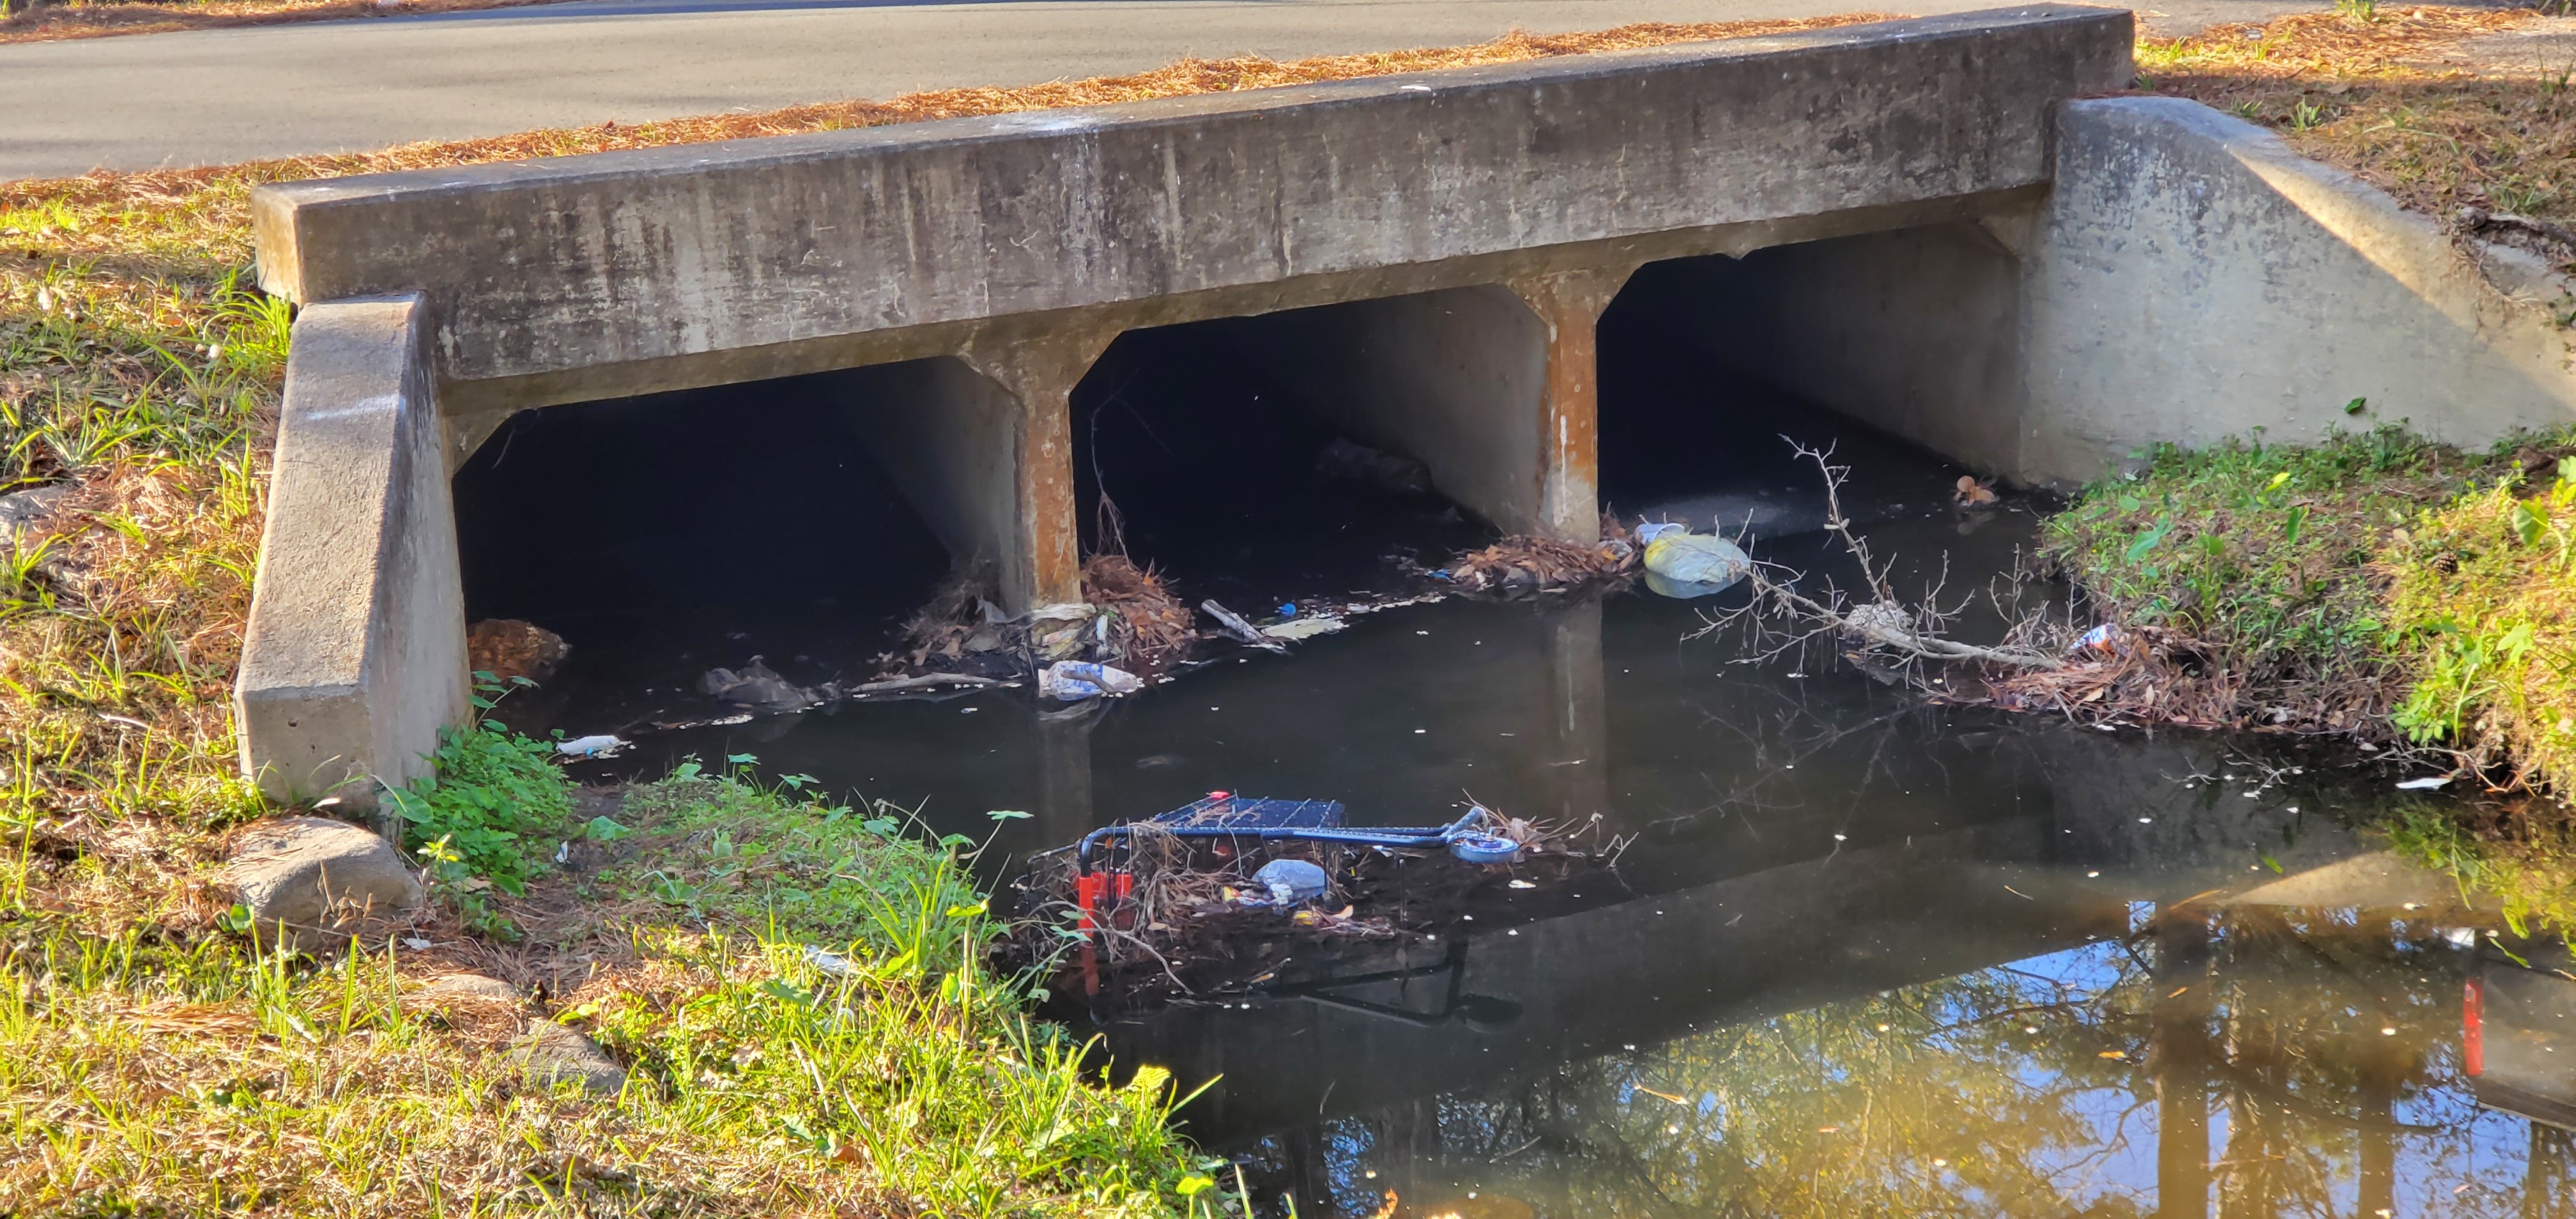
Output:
x=2219 y=1061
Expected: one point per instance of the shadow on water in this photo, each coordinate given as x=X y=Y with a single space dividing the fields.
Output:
x=1863 y=954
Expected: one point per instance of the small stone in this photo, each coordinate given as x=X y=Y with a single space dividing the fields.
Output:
x=507 y=648
x=316 y=877
x=470 y=986
x=553 y=1054
x=22 y=509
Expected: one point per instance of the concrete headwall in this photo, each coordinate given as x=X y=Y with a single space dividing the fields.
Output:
x=355 y=656
x=2188 y=278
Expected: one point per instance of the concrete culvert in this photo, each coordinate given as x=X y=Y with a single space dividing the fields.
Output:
x=1696 y=399
x=1257 y=459
x=664 y=536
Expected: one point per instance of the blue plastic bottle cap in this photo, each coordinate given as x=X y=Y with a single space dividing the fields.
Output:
x=1485 y=848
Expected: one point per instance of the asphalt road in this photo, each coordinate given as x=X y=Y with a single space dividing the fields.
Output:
x=208 y=97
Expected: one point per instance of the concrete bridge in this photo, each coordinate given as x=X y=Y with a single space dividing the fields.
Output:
x=1426 y=255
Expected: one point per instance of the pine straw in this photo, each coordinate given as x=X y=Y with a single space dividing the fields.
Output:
x=1521 y=563
x=2369 y=95
x=56 y=22
x=1153 y=630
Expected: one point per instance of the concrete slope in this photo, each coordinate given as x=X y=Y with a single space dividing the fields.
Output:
x=216 y=96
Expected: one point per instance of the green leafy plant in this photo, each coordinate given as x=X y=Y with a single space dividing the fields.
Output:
x=478 y=817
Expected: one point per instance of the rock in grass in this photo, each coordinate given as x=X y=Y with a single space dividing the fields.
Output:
x=21 y=510
x=552 y=1054
x=307 y=882
x=471 y=986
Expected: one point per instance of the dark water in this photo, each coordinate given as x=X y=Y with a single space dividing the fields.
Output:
x=1864 y=955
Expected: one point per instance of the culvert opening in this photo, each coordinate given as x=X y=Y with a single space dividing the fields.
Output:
x=665 y=535
x=1240 y=458
x=1702 y=396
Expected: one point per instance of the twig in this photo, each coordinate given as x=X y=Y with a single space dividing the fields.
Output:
x=922 y=682
x=1885 y=622
x=2480 y=218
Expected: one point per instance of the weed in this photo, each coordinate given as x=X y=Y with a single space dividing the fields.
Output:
x=2261 y=555
x=2483 y=609
x=719 y=849
x=484 y=813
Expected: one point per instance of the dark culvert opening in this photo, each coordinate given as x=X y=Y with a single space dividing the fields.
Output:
x=1193 y=455
x=1693 y=411
x=667 y=534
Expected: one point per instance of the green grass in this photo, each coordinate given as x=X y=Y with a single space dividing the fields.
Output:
x=143 y=1074
x=2263 y=557
x=2483 y=604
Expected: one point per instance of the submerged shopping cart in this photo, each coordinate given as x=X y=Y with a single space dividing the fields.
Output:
x=1099 y=887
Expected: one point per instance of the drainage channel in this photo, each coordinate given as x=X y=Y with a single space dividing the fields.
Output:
x=1859 y=950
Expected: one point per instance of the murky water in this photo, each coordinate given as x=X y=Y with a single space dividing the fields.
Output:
x=1864 y=955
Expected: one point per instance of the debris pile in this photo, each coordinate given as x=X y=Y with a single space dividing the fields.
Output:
x=1198 y=900
x=1526 y=564
x=1149 y=629
x=508 y=649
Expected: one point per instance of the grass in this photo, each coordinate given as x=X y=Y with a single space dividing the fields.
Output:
x=2263 y=559
x=888 y=1074
x=2483 y=616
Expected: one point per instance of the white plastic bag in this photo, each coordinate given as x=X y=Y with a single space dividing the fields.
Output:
x=1698 y=560
x=1074 y=680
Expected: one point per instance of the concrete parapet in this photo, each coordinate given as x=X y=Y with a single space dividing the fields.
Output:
x=355 y=656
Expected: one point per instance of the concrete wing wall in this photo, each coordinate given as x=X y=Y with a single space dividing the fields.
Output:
x=2194 y=278
x=541 y=267
x=355 y=656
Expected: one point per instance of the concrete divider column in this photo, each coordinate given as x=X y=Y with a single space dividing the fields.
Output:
x=980 y=442
x=1038 y=371
x=355 y=655
x=1569 y=306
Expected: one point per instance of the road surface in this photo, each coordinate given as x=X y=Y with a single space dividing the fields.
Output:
x=208 y=97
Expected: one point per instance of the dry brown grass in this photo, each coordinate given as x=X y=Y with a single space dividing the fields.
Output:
x=2366 y=92
x=55 y=22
